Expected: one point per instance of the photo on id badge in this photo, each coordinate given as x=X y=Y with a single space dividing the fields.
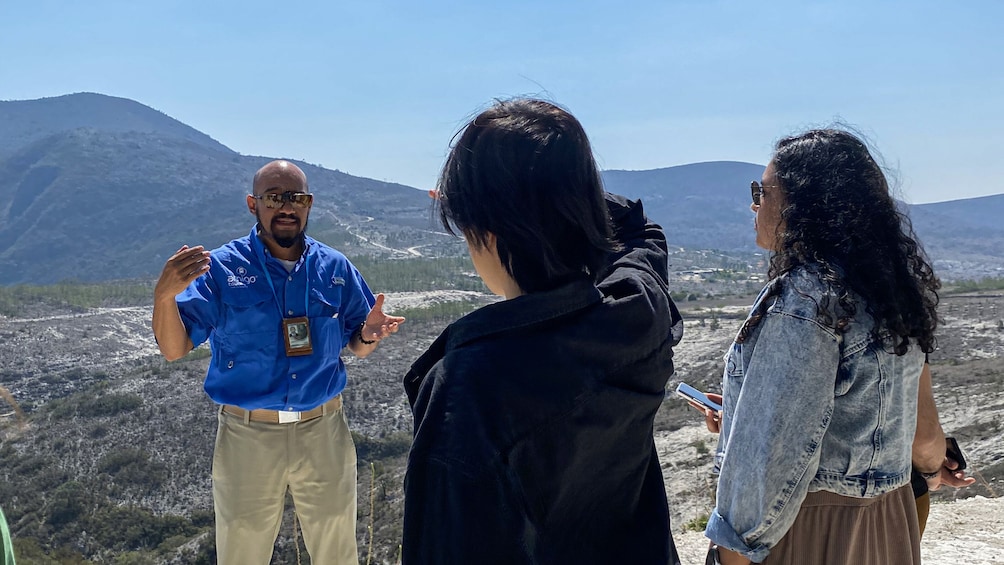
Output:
x=297 y=332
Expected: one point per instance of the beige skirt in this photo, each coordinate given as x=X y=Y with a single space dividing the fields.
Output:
x=839 y=530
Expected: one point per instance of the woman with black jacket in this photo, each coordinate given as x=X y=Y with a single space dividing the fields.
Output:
x=533 y=415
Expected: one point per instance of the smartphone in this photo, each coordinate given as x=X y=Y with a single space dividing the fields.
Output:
x=690 y=393
x=955 y=453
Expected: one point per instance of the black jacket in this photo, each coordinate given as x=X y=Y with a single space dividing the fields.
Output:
x=533 y=421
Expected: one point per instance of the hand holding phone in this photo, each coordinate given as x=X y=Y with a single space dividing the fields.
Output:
x=701 y=402
x=952 y=473
x=954 y=453
x=693 y=395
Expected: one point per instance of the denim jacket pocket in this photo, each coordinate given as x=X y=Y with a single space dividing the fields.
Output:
x=733 y=362
x=732 y=383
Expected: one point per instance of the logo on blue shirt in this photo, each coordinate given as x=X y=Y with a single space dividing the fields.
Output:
x=241 y=279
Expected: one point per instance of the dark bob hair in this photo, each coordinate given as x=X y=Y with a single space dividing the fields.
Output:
x=840 y=219
x=523 y=170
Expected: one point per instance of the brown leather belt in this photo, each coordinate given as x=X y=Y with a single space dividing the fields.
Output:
x=284 y=417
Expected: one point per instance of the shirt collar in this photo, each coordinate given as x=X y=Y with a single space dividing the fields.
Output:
x=259 y=247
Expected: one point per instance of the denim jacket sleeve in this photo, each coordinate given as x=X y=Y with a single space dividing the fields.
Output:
x=779 y=414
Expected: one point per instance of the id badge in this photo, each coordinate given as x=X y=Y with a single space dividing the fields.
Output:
x=297 y=333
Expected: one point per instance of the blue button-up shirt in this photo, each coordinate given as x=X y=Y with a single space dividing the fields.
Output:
x=236 y=308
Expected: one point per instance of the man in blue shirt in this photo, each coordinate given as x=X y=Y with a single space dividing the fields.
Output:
x=277 y=307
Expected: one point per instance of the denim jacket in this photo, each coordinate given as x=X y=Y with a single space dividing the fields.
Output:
x=808 y=408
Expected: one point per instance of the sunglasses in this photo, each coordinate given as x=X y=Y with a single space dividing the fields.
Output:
x=275 y=200
x=757 y=190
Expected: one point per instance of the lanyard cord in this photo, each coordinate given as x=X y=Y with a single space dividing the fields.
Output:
x=306 y=281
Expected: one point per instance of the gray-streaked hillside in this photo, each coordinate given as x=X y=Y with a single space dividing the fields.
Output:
x=98 y=188
x=707 y=206
x=964 y=236
x=112 y=199
x=114 y=462
x=701 y=205
x=26 y=121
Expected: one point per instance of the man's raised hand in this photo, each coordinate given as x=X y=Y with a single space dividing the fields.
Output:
x=379 y=325
x=186 y=265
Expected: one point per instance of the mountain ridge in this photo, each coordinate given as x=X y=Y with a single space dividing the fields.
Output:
x=26 y=120
x=111 y=199
x=86 y=177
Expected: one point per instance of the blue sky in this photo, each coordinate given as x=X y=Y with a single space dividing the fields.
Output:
x=378 y=88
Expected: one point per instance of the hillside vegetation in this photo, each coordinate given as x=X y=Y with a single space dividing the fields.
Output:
x=113 y=463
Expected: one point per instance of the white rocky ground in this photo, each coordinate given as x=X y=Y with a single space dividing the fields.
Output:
x=969 y=396
x=966 y=531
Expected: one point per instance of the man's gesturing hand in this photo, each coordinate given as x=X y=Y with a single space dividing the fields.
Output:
x=188 y=264
x=379 y=325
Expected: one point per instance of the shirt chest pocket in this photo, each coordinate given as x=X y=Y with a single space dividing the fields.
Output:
x=249 y=335
x=327 y=328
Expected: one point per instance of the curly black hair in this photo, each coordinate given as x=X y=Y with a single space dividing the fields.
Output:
x=839 y=220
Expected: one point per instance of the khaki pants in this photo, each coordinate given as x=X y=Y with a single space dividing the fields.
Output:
x=253 y=465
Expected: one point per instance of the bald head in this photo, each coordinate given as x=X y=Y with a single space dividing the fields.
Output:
x=278 y=174
x=277 y=201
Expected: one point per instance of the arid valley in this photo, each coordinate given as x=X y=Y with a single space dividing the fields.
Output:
x=110 y=424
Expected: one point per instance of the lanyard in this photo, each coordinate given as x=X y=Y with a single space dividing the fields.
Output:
x=306 y=281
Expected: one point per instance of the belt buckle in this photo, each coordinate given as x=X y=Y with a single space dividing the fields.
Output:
x=288 y=417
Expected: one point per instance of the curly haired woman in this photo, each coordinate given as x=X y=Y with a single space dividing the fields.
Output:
x=821 y=384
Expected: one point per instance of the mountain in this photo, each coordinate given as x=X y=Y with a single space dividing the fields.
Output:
x=27 y=121
x=707 y=206
x=701 y=205
x=95 y=188
x=105 y=188
x=964 y=235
